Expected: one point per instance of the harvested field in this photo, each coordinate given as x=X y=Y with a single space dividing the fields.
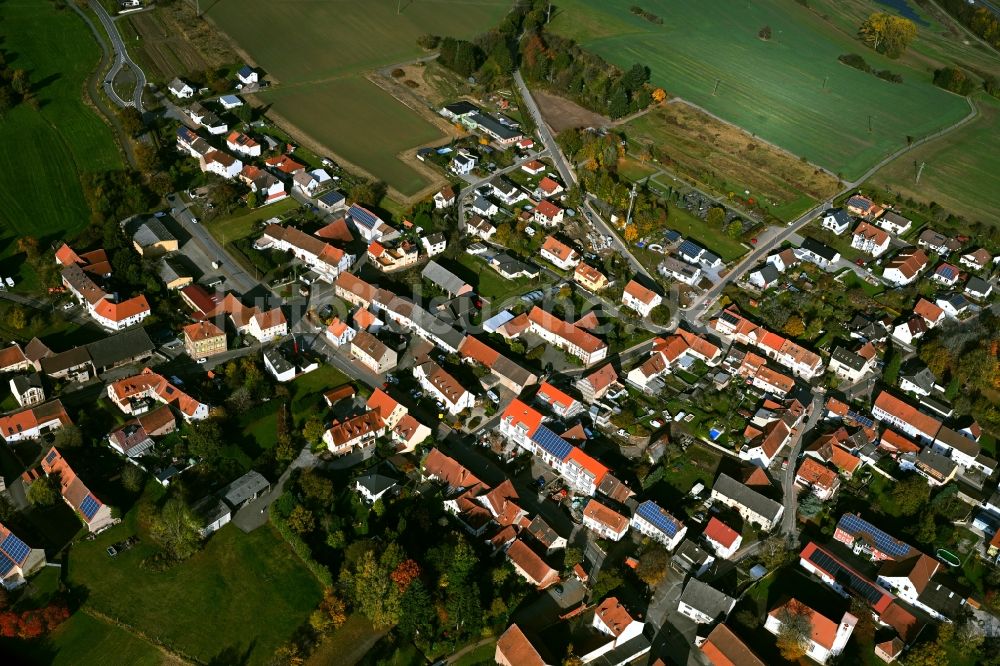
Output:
x=561 y=113
x=725 y=159
x=173 y=42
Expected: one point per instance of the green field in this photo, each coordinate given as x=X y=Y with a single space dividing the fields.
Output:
x=43 y=152
x=774 y=89
x=960 y=171
x=318 y=54
x=244 y=594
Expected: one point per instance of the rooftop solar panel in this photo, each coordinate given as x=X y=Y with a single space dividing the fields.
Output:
x=52 y=456
x=690 y=248
x=867 y=590
x=861 y=419
x=552 y=443
x=89 y=506
x=362 y=216
x=659 y=518
x=855 y=525
x=5 y=565
x=16 y=549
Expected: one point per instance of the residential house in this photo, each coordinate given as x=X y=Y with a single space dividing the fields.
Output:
x=628 y=641
x=723 y=648
x=443 y=387
x=514 y=649
x=561 y=404
x=764 y=276
x=221 y=164
x=354 y=290
x=703 y=604
x=954 y=305
x=354 y=433
x=18 y=559
x=905 y=266
x=152 y=239
x=135 y=437
x=596 y=385
x=27 y=389
x=306 y=183
x=463 y=164
x=412 y=317
x=783 y=260
x=369 y=225
x=326 y=260
x=653 y=521
x=180 y=89
x=845 y=580
x=978 y=288
x=238 y=142
x=754 y=507
x=12 y=359
x=390 y=411
x=558 y=253
x=374 y=355
x=689 y=558
x=388 y=257
x=244 y=490
x=408 y=433
x=434 y=244
x=95 y=514
x=977 y=260
x=680 y=271
x=836 y=220
x=112 y=315
x=530 y=566
x=373 y=487
x=445 y=280
x=605 y=521
x=33 y=421
x=723 y=539
x=512 y=268
x=937 y=243
x=827 y=638
x=506 y=191
x=862 y=206
x=568 y=337
x=678 y=350
x=339 y=332
x=801 y=361
x=870 y=239
x=267 y=326
x=850 y=365
x=476 y=226
x=912 y=329
x=269 y=188
x=135 y=395
x=894 y=223
x=230 y=102
x=946 y=274
x=533 y=168
x=247 y=75
x=862 y=537
x=589 y=277
x=547 y=187
x=505 y=371
x=640 y=299
x=203 y=339
x=770 y=431
x=929 y=312
x=445 y=197
x=813 y=251
x=332 y=202
x=548 y=214
x=821 y=480
x=912 y=581
x=175 y=272
x=483 y=206
x=920 y=381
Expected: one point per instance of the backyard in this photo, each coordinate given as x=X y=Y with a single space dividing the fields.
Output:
x=790 y=90
x=44 y=152
x=199 y=607
x=329 y=98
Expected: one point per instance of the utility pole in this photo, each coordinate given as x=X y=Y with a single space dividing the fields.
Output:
x=869 y=124
x=716 y=89
x=920 y=170
x=631 y=202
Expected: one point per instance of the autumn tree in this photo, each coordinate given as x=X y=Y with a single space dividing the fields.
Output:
x=301 y=520
x=313 y=429
x=716 y=216
x=795 y=631
x=659 y=95
x=44 y=491
x=405 y=573
x=331 y=613
x=910 y=495
x=887 y=33
x=315 y=487
x=653 y=566
x=175 y=529
x=773 y=552
x=794 y=327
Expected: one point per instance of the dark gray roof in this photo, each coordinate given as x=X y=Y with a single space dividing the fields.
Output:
x=462 y=108
x=152 y=231
x=70 y=358
x=690 y=555
x=769 y=273
x=743 y=495
x=331 y=198
x=120 y=347
x=376 y=483
x=542 y=532
x=173 y=268
x=923 y=378
x=977 y=284
x=243 y=488
x=24 y=382
x=210 y=509
x=941 y=599
x=842 y=217
x=494 y=126
x=846 y=357
x=440 y=276
x=819 y=249
x=706 y=599
x=957 y=441
x=937 y=462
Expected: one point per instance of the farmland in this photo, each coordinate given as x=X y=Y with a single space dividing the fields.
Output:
x=43 y=152
x=317 y=55
x=790 y=90
x=960 y=169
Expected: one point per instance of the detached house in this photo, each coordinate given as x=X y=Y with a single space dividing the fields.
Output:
x=269 y=188
x=463 y=164
x=724 y=540
x=221 y=164
x=827 y=637
x=247 y=75
x=937 y=242
x=137 y=394
x=548 y=214
x=604 y=520
x=862 y=206
x=95 y=514
x=976 y=260
x=558 y=253
x=704 y=604
x=443 y=387
x=18 y=560
x=946 y=274
x=894 y=223
x=836 y=220
x=547 y=188
x=589 y=277
x=640 y=299
x=476 y=226
x=813 y=251
x=853 y=365
x=369 y=225
x=905 y=266
x=653 y=521
x=180 y=90
x=444 y=198
x=870 y=239
x=204 y=339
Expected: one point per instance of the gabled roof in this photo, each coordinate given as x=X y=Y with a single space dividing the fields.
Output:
x=751 y=499
x=640 y=293
x=815 y=474
x=382 y=404
x=614 y=615
x=909 y=262
x=605 y=515
x=517 y=650
x=558 y=249
x=530 y=563
x=719 y=532
x=723 y=648
x=824 y=630
x=547 y=209
x=918 y=569
x=73 y=490
x=927 y=310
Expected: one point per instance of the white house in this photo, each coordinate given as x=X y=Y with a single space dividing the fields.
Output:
x=604 y=520
x=905 y=267
x=813 y=251
x=444 y=197
x=954 y=305
x=20 y=560
x=443 y=387
x=704 y=604
x=978 y=288
x=241 y=143
x=754 y=507
x=247 y=75
x=506 y=191
x=894 y=223
x=640 y=299
x=230 y=102
x=548 y=214
x=724 y=540
x=827 y=638
x=221 y=164
x=434 y=244
x=870 y=239
x=485 y=207
x=180 y=90
x=559 y=254
x=836 y=220
x=463 y=164
x=33 y=421
x=269 y=325
x=339 y=333
x=653 y=521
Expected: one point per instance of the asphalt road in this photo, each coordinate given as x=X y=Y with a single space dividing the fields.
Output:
x=470 y=189
x=791 y=502
x=121 y=61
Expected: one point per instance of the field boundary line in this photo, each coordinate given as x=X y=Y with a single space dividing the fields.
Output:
x=141 y=635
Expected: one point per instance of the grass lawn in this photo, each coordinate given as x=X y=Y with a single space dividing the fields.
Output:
x=308 y=390
x=960 y=168
x=851 y=280
x=790 y=90
x=318 y=54
x=200 y=607
x=43 y=152
x=715 y=240
x=246 y=222
x=490 y=284
x=352 y=640
x=697 y=464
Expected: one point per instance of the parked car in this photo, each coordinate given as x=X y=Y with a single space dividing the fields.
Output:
x=655 y=424
x=493 y=396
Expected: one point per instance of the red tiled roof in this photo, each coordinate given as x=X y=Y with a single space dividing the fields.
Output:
x=640 y=293
x=12 y=356
x=355 y=427
x=521 y=414
x=530 y=563
x=892 y=439
x=605 y=515
x=557 y=248
x=908 y=414
x=566 y=331
x=602 y=378
x=927 y=310
x=119 y=311
x=449 y=470
x=337 y=230
x=516 y=650
x=551 y=395
x=203 y=330
x=871 y=232
x=547 y=209
x=719 y=532
x=723 y=648
x=824 y=630
x=909 y=262
x=381 y=403
x=548 y=185
x=614 y=615
x=814 y=473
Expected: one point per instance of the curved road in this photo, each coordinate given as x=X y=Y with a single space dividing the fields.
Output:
x=121 y=61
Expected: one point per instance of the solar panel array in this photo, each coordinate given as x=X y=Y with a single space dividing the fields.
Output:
x=866 y=589
x=89 y=506
x=860 y=419
x=5 y=565
x=552 y=443
x=854 y=524
x=690 y=249
x=659 y=518
x=362 y=216
x=947 y=272
x=16 y=549
x=52 y=456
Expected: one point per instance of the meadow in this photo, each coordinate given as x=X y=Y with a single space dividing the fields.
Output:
x=317 y=54
x=790 y=90
x=960 y=169
x=43 y=152
x=200 y=607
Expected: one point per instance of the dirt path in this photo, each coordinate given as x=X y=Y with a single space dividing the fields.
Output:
x=170 y=658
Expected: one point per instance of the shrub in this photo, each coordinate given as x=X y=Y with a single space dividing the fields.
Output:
x=765 y=33
x=397 y=73
x=954 y=80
